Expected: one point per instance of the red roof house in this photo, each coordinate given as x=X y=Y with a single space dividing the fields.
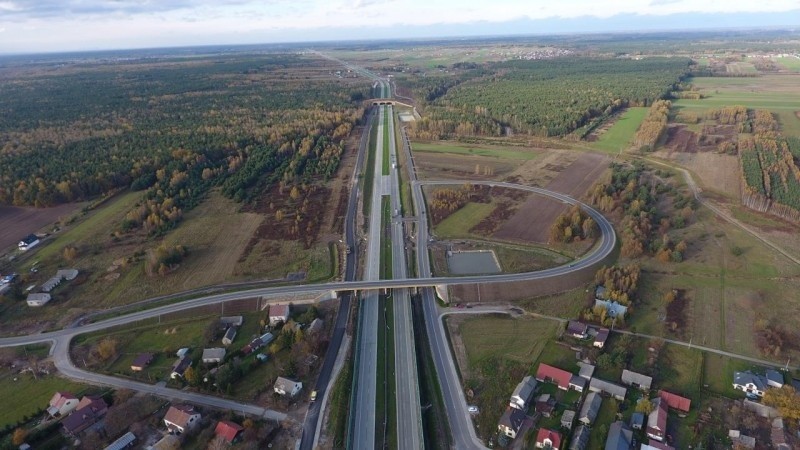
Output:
x=228 y=430
x=675 y=401
x=89 y=411
x=555 y=375
x=548 y=439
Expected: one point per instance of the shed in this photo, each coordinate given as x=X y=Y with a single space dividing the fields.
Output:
x=123 y=442
x=567 y=418
x=614 y=390
x=601 y=338
x=635 y=379
x=213 y=355
x=141 y=361
x=590 y=408
x=675 y=401
x=35 y=300
x=586 y=370
x=230 y=335
x=774 y=378
x=637 y=420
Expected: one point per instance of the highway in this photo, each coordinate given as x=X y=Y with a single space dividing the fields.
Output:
x=409 y=417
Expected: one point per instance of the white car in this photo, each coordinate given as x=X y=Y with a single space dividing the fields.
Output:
x=472 y=409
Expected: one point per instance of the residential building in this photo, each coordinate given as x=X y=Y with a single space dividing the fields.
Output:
x=675 y=401
x=522 y=393
x=737 y=438
x=577 y=329
x=638 y=380
x=590 y=408
x=614 y=390
x=620 y=437
x=213 y=355
x=637 y=420
x=655 y=445
x=141 y=362
x=179 y=367
x=39 y=299
x=750 y=383
x=62 y=404
x=601 y=338
x=550 y=374
x=548 y=439
x=586 y=371
x=774 y=378
x=567 y=418
x=230 y=335
x=229 y=431
x=28 y=242
x=278 y=314
x=577 y=383
x=125 y=441
x=511 y=422
x=285 y=386
x=88 y=412
x=580 y=438
x=657 y=421
x=181 y=418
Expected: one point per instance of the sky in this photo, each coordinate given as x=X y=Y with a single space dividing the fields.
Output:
x=34 y=26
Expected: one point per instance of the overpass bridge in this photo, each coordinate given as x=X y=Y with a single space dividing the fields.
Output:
x=388 y=101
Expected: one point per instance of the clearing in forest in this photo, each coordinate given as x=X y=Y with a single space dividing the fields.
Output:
x=617 y=137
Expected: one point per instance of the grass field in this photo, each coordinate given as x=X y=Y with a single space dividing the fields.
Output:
x=521 y=340
x=789 y=63
x=567 y=304
x=28 y=395
x=458 y=224
x=385 y=144
x=679 y=370
x=619 y=135
x=779 y=94
x=477 y=150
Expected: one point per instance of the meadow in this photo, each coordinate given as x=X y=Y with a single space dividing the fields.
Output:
x=618 y=136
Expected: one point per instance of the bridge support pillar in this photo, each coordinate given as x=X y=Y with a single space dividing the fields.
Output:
x=443 y=293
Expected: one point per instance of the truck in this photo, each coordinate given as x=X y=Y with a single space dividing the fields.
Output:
x=394 y=165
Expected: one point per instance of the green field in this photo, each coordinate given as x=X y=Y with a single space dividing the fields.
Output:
x=790 y=63
x=619 y=135
x=779 y=94
x=521 y=340
x=460 y=222
x=464 y=149
x=28 y=395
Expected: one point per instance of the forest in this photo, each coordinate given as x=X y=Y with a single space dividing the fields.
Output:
x=544 y=97
x=173 y=129
x=770 y=176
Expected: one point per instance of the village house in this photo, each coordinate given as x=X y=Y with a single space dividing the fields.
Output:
x=637 y=380
x=577 y=329
x=141 y=362
x=87 y=413
x=657 y=421
x=605 y=387
x=511 y=422
x=655 y=445
x=228 y=431
x=548 y=439
x=181 y=418
x=522 y=393
x=285 y=386
x=590 y=408
x=179 y=367
x=620 y=437
x=39 y=299
x=278 y=314
x=62 y=404
x=750 y=383
x=565 y=380
x=601 y=338
x=213 y=355
x=580 y=438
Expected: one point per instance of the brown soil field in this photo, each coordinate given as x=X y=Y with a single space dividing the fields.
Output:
x=533 y=218
x=540 y=171
x=714 y=172
x=16 y=222
x=437 y=166
x=680 y=139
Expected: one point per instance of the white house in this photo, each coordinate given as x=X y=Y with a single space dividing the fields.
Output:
x=278 y=314
x=62 y=404
x=522 y=393
x=213 y=355
x=750 y=383
x=40 y=299
x=285 y=386
x=181 y=418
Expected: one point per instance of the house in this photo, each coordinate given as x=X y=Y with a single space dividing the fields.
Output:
x=774 y=378
x=179 y=367
x=614 y=390
x=580 y=438
x=601 y=338
x=522 y=393
x=545 y=405
x=213 y=355
x=577 y=329
x=285 y=386
x=126 y=441
x=620 y=437
x=638 y=380
x=637 y=420
x=613 y=309
x=28 y=242
x=675 y=401
x=657 y=421
x=590 y=408
x=586 y=371
x=141 y=362
x=257 y=343
x=750 y=383
x=567 y=418
x=230 y=335
x=577 y=383
x=547 y=373
x=229 y=431
x=278 y=314
x=316 y=325
x=548 y=439
x=181 y=418
x=62 y=404
x=737 y=438
x=655 y=445
x=168 y=442
x=511 y=421
x=232 y=321
x=40 y=299
x=88 y=412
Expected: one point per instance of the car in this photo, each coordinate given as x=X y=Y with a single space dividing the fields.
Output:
x=472 y=409
x=313 y=395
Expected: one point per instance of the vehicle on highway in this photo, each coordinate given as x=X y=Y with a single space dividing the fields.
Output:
x=349 y=249
x=313 y=395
